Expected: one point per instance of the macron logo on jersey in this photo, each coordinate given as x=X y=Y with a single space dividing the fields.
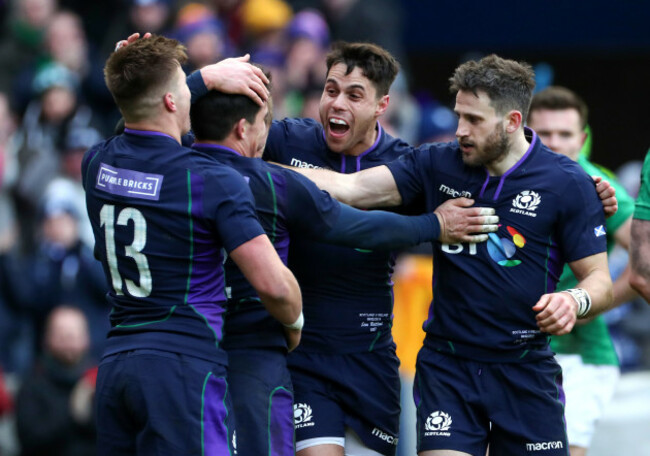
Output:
x=541 y=446
x=453 y=192
x=302 y=164
x=126 y=182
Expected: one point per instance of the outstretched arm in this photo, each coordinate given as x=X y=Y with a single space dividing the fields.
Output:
x=558 y=312
x=373 y=187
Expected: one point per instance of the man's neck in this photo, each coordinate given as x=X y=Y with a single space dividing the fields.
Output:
x=159 y=126
x=517 y=149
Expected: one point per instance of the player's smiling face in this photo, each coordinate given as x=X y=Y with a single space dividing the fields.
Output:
x=349 y=108
x=481 y=130
x=559 y=129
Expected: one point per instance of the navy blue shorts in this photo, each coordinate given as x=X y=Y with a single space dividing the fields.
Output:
x=262 y=399
x=358 y=390
x=152 y=402
x=462 y=405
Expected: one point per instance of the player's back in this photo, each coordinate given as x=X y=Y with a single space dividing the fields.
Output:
x=159 y=214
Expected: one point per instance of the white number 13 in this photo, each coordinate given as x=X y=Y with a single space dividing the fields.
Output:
x=107 y=217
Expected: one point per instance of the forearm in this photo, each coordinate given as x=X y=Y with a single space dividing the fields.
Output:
x=622 y=290
x=381 y=230
x=640 y=258
x=598 y=284
x=284 y=302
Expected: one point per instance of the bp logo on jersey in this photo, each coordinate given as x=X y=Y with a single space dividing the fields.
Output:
x=526 y=203
x=502 y=249
x=302 y=416
x=437 y=424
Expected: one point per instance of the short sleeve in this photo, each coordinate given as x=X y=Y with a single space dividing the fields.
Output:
x=229 y=205
x=581 y=227
x=276 y=142
x=408 y=171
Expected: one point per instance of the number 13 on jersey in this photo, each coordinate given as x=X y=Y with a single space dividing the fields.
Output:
x=133 y=250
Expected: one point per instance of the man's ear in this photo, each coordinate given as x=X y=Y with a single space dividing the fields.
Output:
x=168 y=101
x=513 y=121
x=240 y=128
x=382 y=105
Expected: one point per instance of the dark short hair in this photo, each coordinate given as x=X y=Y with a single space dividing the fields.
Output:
x=375 y=62
x=556 y=98
x=508 y=83
x=214 y=114
x=135 y=72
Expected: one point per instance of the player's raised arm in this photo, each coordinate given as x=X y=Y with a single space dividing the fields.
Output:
x=557 y=312
x=274 y=283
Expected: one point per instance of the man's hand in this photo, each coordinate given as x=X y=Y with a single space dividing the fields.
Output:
x=293 y=337
x=607 y=195
x=131 y=39
x=557 y=313
x=237 y=76
x=460 y=223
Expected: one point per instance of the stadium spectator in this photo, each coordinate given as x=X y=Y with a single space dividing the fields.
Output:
x=587 y=356
x=158 y=245
x=484 y=335
x=50 y=409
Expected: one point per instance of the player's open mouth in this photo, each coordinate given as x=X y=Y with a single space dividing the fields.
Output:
x=466 y=147
x=338 y=127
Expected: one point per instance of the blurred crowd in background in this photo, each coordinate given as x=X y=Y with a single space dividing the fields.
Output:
x=54 y=105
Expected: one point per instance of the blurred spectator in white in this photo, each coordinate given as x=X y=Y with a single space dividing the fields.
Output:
x=437 y=122
x=67 y=185
x=54 y=402
x=22 y=37
x=403 y=114
x=41 y=136
x=199 y=28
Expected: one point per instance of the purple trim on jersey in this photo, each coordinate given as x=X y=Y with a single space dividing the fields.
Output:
x=373 y=147
x=516 y=165
x=281 y=425
x=366 y=152
x=147 y=133
x=216 y=146
x=560 y=390
x=215 y=431
x=512 y=169
x=554 y=267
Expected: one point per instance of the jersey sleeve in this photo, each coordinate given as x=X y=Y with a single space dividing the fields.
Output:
x=229 y=205
x=581 y=227
x=310 y=211
x=642 y=204
x=319 y=216
x=196 y=85
x=276 y=142
x=408 y=171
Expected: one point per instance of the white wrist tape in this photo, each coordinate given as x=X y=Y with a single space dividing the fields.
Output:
x=582 y=298
x=298 y=324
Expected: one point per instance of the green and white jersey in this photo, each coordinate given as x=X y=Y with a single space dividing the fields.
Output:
x=642 y=205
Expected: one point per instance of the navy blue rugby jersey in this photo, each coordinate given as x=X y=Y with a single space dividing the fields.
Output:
x=483 y=294
x=161 y=215
x=347 y=292
x=289 y=204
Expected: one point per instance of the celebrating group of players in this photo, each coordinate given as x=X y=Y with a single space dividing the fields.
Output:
x=194 y=241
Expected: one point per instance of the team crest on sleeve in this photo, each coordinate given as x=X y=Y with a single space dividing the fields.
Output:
x=600 y=231
x=302 y=416
x=438 y=423
x=526 y=203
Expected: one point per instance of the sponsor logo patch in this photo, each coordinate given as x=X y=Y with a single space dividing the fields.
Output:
x=126 y=182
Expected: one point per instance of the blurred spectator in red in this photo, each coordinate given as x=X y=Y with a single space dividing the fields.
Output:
x=54 y=403
x=6 y=402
